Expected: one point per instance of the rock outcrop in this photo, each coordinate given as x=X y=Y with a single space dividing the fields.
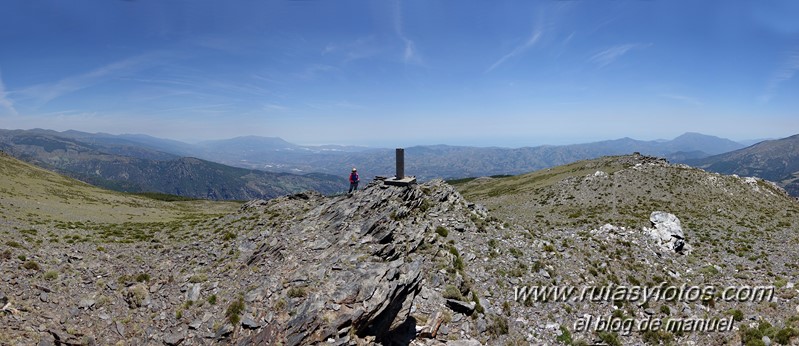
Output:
x=667 y=232
x=349 y=268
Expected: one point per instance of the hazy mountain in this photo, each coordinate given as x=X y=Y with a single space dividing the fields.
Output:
x=774 y=160
x=126 y=166
x=425 y=162
x=748 y=142
x=40 y=141
x=442 y=161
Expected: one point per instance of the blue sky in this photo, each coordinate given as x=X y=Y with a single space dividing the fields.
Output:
x=401 y=73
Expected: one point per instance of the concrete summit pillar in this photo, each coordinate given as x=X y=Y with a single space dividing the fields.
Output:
x=400 y=163
x=400 y=179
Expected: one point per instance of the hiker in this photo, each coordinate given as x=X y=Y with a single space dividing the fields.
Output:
x=354 y=179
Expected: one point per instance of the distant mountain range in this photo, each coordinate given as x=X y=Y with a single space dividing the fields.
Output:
x=160 y=165
x=122 y=163
x=444 y=161
x=774 y=160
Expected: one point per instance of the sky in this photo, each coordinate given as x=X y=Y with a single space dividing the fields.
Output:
x=402 y=73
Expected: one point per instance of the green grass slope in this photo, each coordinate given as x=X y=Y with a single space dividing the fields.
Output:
x=38 y=196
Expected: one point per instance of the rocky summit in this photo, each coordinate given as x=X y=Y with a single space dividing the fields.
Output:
x=422 y=265
x=381 y=265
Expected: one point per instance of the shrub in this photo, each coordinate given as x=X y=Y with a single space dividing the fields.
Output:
x=784 y=335
x=212 y=299
x=737 y=315
x=442 y=231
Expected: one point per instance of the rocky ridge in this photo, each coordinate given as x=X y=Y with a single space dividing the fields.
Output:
x=299 y=269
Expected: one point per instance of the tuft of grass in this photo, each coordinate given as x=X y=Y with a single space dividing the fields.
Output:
x=477 y=307
x=142 y=277
x=609 y=338
x=280 y=304
x=565 y=336
x=31 y=265
x=212 y=299
x=14 y=244
x=440 y=230
x=228 y=236
x=451 y=292
x=737 y=315
x=296 y=292
x=234 y=311
x=50 y=275
x=195 y=279
x=498 y=326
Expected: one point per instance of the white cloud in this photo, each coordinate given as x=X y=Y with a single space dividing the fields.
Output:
x=275 y=107
x=47 y=92
x=682 y=98
x=6 y=104
x=608 y=56
x=361 y=48
x=527 y=44
x=410 y=54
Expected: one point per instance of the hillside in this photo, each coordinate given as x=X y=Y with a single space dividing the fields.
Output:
x=32 y=196
x=124 y=165
x=418 y=265
x=774 y=160
x=593 y=213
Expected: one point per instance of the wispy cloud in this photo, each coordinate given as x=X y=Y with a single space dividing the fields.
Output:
x=275 y=107
x=410 y=54
x=6 y=104
x=527 y=44
x=209 y=108
x=610 y=55
x=785 y=72
x=47 y=92
x=314 y=70
x=682 y=98
x=360 y=48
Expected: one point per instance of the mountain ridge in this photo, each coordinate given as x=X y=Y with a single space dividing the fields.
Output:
x=776 y=160
x=119 y=165
x=435 y=161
